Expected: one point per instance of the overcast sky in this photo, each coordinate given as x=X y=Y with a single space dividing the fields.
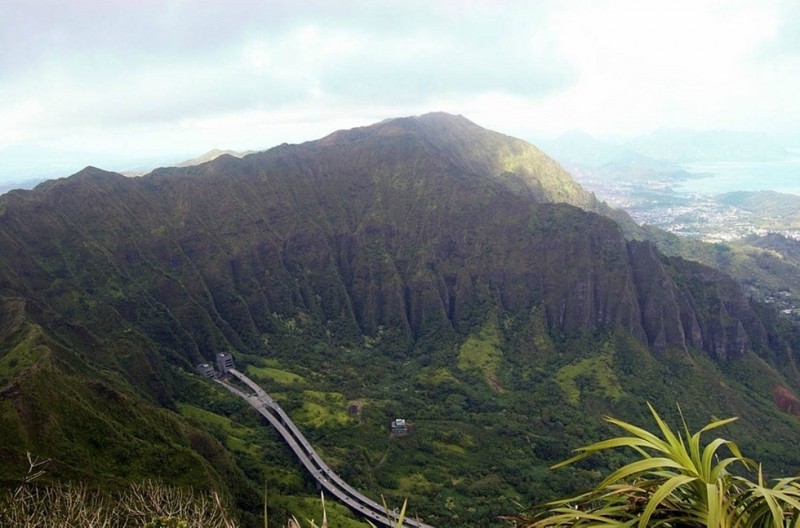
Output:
x=110 y=81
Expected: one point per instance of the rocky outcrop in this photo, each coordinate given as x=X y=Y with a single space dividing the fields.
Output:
x=786 y=401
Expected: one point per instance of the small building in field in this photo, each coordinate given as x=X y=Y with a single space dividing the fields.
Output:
x=399 y=426
x=205 y=369
x=224 y=363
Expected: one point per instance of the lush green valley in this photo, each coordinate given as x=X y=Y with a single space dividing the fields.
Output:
x=421 y=268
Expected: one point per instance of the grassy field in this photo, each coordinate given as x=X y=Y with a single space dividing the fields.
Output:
x=275 y=375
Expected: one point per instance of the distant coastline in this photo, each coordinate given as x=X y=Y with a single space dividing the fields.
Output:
x=714 y=178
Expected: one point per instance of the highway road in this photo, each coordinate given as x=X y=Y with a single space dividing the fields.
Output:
x=308 y=457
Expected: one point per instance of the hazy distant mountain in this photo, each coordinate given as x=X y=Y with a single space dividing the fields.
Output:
x=685 y=146
x=666 y=145
x=777 y=203
x=635 y=167
x=579 y=147
x=776 y=210
x=212 y=155
x=24 y=184
x=41 y=163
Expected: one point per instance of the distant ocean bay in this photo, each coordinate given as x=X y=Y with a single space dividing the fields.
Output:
x=722 y=177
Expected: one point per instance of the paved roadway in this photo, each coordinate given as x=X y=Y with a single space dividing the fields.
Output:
x=309 y=458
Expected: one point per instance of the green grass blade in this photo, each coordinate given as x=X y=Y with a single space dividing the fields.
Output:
x=402 y=514
x=640 y=466
x=717 y=423
x=707 y=472
x=676 y=447
x=669 y=436
x=620 y=441
x=774 y=508
x=654 y=441
x=662 y=493
x=716 y=472
x=713 y=505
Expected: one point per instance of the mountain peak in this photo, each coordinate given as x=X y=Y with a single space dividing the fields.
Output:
x=212 y=155
x=430 y=119
x=475 y=151
x=88 y=174
x=444 y=119
x=433 y=121
x=455 y=126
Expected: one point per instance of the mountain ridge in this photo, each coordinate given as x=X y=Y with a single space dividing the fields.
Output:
x=429 y=137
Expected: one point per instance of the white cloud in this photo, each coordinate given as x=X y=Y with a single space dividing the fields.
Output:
x=146 y=76
x=17 y=119
x=642 y=65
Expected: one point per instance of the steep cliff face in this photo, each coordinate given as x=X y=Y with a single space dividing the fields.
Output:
x=685 y=302
x=411 y=224
x=667 y=316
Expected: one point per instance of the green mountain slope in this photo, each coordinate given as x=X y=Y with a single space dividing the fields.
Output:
x=422 y=267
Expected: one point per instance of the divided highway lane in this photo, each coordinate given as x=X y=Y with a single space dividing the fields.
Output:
x=315 y=472
x=313 y=463
x=326 y=471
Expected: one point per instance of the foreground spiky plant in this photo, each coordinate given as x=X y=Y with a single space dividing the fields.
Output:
x=676 y=482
